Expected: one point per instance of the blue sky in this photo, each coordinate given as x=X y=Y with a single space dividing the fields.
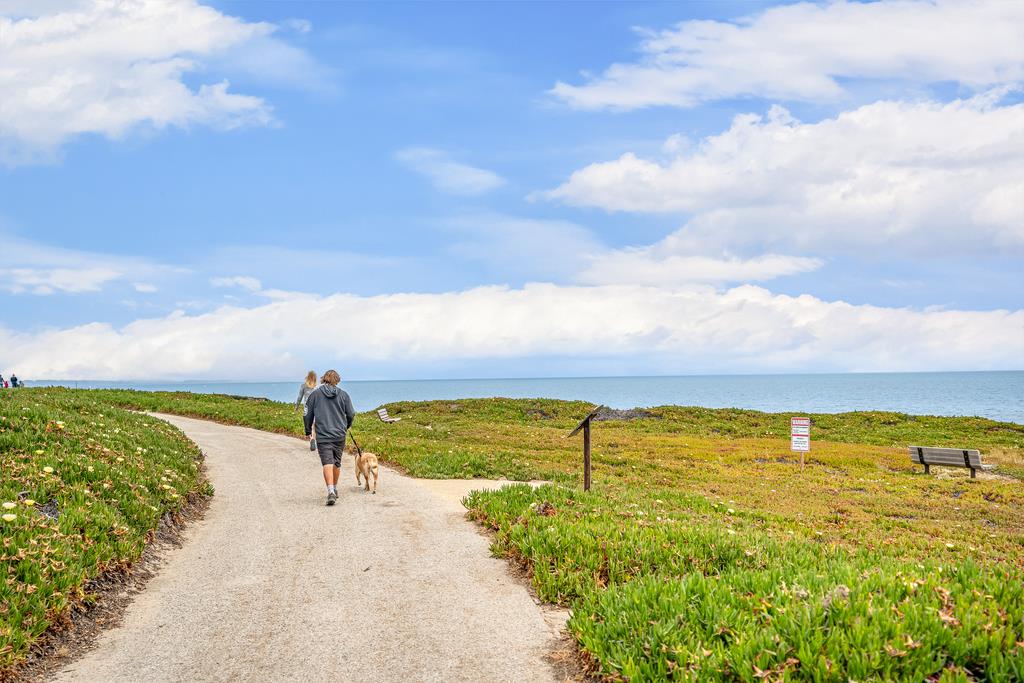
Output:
x=414 y=190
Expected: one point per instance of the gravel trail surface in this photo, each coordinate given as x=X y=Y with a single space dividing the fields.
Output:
x=271 y=585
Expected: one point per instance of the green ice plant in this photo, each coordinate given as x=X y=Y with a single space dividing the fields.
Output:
x=688 y=591
x=83 y=485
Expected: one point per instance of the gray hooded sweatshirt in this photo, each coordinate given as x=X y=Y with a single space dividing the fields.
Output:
x=332 y=410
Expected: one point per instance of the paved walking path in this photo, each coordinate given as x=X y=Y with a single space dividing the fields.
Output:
x=271 y=585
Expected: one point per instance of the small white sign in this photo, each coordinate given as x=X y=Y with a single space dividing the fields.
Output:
x=800 y=434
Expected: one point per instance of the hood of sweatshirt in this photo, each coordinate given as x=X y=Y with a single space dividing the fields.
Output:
x=330 y=391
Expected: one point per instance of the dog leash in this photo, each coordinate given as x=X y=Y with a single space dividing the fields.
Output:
x=359 y=451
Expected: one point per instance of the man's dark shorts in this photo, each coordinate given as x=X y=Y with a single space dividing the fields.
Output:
x=330 y=452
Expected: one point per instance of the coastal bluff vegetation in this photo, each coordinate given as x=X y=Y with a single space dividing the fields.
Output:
x=704 y=550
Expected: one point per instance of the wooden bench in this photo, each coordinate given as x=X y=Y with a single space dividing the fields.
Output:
x=946 y=457
x=384 y=417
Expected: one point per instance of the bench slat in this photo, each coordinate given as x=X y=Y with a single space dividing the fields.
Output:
x=952 y=457
x=950 y=460
x=935 y=450
x=959 y=455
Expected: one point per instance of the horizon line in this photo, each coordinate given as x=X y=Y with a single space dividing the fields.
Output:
x=535 y=378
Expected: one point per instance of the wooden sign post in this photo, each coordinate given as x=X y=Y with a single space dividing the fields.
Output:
x=585 y=426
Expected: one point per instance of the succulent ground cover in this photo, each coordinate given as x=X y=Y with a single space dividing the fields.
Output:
x=83 y=486
x=673 y=586
x=706 y=552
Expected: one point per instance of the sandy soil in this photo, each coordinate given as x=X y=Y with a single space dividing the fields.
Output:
x=271 y=585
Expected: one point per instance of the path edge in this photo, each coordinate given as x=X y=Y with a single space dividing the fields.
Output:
x=110 y=595
x=567 y=661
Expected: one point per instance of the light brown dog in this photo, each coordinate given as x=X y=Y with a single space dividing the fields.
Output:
x=365 y=464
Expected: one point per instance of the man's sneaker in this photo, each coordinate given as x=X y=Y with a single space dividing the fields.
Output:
x=332 y=498
x=312 y=444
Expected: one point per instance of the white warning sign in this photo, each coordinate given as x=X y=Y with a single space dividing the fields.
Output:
x=800 y=434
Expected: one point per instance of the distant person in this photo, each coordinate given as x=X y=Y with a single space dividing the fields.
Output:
x=14 y=381
x=305 y=389
x=3 y=382
x=331 y=409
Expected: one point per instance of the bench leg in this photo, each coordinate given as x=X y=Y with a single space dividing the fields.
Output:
x=927 y=469
x=972 y=473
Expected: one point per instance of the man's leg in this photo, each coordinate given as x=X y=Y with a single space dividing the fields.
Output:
x=328 y=457
x=337 y=463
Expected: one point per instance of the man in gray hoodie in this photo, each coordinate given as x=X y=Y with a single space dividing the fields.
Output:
x=332 y=410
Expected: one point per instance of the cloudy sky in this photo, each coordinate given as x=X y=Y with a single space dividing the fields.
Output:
x=243 y=190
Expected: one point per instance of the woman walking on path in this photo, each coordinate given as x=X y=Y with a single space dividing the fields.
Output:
x=332 y=410
x=305 y=389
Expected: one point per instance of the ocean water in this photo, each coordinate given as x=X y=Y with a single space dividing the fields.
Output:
x=996 y=395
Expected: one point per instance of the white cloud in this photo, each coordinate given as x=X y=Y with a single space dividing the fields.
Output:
x=298 y=25
x=803 y=52
x=44 y=281
x=746 y=328
x=530 y=249
x=38 y=8
x=240 y=281
x=447 y=175
x=109 y=67
x=42 y=269
x=652 y=266
x=144 y=287
x=924 y=177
